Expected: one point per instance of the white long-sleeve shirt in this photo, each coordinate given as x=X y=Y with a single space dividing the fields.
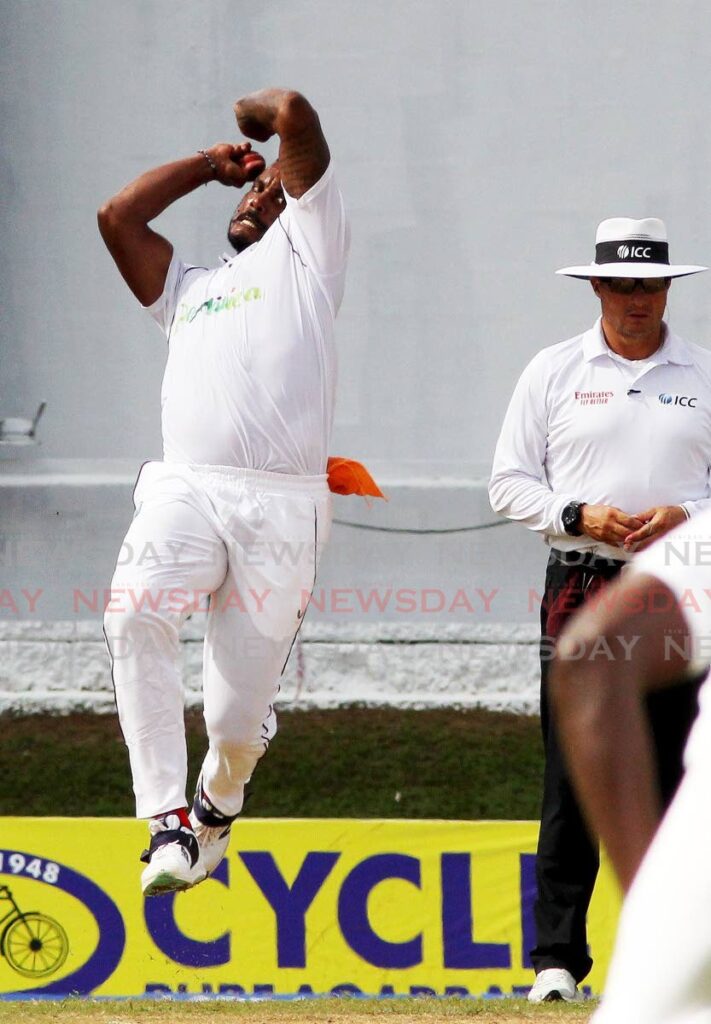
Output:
x=586 y=425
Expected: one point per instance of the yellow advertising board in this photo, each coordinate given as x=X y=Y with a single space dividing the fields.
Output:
x=297 y=906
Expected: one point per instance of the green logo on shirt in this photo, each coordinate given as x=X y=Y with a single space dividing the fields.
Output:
x=232 y=300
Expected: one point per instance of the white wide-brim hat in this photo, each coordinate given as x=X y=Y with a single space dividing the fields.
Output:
x=631 y=248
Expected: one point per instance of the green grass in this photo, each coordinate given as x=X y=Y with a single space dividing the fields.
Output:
x=353 y=762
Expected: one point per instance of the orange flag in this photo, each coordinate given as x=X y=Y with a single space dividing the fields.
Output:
x=346 y=476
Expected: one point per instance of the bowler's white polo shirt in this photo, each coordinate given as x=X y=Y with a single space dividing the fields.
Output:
x=585 y=425
x=251 y=372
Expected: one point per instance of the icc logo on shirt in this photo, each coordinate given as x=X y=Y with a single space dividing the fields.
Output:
x=678 y=400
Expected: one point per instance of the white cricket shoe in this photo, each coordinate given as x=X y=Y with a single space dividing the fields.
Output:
x=173 y=857
x=555 y=984
x=212 y=829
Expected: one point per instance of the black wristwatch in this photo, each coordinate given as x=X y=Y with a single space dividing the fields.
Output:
x=572 y=514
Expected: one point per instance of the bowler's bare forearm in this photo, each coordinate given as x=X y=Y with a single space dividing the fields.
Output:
x=143 y=199
x=608 y=748
x=303 y=150
x=608 y=658
x=140 y=253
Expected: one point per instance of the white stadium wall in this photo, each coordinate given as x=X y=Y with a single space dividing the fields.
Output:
x=478 y=145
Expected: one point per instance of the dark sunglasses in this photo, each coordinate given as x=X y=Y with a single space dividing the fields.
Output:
x=626 y=285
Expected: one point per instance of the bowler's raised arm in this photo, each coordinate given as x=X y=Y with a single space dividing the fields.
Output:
x=140 y=253
x=303 y=150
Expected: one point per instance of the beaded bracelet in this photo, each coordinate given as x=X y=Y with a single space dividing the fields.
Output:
x=210 y=161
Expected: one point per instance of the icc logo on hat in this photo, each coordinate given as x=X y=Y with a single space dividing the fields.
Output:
x=636 y=252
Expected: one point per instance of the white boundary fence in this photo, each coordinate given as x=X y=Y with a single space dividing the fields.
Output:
x=61 y=667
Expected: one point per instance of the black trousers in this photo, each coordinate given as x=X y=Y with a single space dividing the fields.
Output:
x=567 y=859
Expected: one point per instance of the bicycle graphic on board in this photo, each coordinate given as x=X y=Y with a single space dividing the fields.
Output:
x=33 y=944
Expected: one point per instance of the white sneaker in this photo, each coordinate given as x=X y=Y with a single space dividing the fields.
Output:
x=555 y=984
x=173 y=857
x=212 y=829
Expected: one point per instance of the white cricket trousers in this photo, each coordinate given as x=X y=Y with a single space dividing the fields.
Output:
x=248 y=541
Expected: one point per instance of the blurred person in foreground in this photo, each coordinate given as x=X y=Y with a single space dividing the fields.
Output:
x=239 y=508
x=605 y=446
x=651 y=630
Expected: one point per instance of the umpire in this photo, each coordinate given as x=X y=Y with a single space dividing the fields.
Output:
x=606 y=446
